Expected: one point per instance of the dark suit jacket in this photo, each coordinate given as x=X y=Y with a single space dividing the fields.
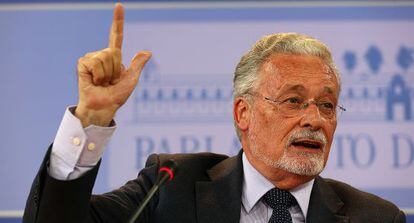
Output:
x=207 y=189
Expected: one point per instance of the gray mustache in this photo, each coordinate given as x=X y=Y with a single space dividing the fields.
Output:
x=307 y=134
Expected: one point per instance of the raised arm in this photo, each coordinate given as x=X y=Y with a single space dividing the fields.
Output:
x=104 y=86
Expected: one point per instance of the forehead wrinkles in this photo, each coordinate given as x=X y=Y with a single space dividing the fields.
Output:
x=281 y=68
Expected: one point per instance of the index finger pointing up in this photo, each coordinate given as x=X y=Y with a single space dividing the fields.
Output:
x=117 y=28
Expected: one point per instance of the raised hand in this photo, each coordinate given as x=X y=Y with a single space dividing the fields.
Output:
x=104 y=83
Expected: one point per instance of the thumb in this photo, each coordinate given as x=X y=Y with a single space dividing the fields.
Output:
x=138 y=62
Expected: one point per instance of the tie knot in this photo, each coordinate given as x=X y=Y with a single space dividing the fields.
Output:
x=276 y=197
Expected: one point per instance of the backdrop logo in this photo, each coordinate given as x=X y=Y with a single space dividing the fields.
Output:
x=377 y=93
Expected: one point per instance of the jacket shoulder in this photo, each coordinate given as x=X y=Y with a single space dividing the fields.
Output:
x=363 y=203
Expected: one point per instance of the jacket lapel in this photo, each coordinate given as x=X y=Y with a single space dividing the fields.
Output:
x=324 y=204
x=219 y=200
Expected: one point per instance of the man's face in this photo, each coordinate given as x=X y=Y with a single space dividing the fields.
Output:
x=297 y=143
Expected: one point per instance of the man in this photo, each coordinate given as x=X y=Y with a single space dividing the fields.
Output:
x=286 y=92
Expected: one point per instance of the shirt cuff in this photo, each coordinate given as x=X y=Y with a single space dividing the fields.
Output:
x=75 y=146
x=97 y=137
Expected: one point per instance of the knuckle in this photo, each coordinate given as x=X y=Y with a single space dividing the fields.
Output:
x=89 y=54
x=111 y=51
x=97 y=55
x=107 y=49
x=96 y=66
x=116 y=51
x=105 y=57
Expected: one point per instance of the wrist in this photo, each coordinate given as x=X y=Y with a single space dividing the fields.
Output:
x=93 y=117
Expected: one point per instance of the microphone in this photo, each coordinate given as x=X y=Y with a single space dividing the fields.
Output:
x=166 y=173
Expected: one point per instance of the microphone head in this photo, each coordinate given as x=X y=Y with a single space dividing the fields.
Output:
x=167 y=170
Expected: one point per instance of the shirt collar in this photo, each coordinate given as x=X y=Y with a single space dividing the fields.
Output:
x=255 y=185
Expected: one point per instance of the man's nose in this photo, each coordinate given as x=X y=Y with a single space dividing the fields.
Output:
x=311 y=117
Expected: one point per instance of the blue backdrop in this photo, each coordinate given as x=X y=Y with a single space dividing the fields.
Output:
x=183 y=102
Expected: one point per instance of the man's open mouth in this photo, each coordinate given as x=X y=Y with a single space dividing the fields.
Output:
x=307 y=143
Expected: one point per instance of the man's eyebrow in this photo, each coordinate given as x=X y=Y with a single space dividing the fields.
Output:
x=291 y=87
x=300 y=88
x=328 y=90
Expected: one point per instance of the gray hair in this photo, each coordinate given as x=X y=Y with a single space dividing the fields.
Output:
x=247 y=70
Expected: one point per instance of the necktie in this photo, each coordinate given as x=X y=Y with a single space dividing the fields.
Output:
x=280 y=200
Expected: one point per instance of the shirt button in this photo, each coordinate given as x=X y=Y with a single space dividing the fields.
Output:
x=76 y=141
x=91 y=146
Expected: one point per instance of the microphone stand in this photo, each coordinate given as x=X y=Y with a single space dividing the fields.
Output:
x=141 y=207
x=166 y=172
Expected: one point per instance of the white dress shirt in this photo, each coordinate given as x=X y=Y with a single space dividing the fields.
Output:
x=77 y=150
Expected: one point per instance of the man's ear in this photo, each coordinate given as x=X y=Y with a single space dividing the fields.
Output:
x=241 y=113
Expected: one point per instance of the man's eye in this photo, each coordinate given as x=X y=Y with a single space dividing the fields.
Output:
x=292 y=101
x=327 y=105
